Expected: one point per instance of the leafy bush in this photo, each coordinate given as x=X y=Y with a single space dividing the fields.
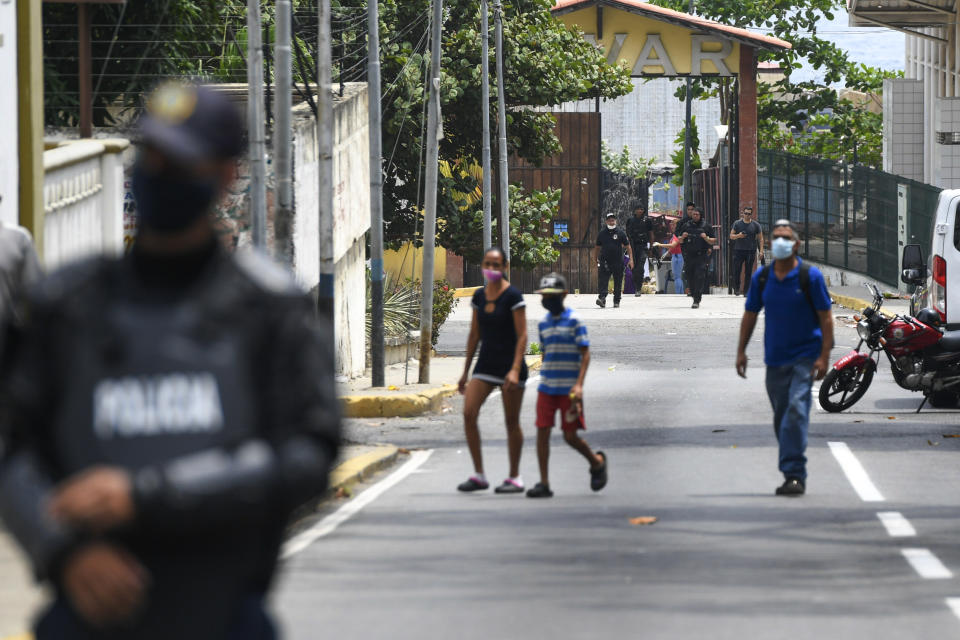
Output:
x=443 y=301
x=534 y=349
x=401 y=308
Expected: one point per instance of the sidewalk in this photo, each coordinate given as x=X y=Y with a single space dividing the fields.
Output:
x=20 y=597
x=402 y=396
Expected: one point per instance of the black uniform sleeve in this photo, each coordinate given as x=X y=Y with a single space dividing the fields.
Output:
x=624 y=240
x=599 y=239
x=276 y=472
x=26 y=478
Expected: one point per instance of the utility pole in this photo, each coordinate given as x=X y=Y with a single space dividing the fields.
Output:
x=485 y=100
x=430 y=196
x=376 y=196
x=502 y=138
x=325 y=155
x=283 y=135
x=687 y=177
x=255 y=126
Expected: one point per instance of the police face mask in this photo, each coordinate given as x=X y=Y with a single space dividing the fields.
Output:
x=553 y=304
x=170 y=201
x=612 y=226
x=782 y=248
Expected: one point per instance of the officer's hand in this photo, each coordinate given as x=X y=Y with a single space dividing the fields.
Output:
x=742 y=364
x=820 y=368
x=685 y=234
x=105 y=584
x=703 y=235
x=98 y=499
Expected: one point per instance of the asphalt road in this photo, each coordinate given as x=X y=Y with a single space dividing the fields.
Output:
x=688 y=443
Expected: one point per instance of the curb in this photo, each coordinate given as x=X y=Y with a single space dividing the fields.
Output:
x=465 y=292
x=401 y=405
x=855 y=304
x=363 y=466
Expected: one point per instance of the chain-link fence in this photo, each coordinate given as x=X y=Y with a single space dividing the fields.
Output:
x=846 y=214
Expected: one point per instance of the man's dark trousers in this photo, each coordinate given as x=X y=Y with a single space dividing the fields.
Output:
x=639 y=259
x=695 y=267
x=741 y=258
x=603 y=278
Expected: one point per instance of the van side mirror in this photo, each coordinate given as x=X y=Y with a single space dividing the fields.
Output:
x=913 y=269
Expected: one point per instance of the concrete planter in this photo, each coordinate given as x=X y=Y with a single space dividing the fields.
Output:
x=396 y=350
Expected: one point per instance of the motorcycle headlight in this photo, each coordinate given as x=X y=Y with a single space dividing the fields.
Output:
x=863 y=329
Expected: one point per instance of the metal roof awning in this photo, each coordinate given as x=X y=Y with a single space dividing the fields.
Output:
x=907 y=16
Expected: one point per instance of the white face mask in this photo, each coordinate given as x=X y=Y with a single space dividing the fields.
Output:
x=612 y=226
x=782 y=248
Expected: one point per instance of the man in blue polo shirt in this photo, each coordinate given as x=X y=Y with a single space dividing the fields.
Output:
x=798 y=336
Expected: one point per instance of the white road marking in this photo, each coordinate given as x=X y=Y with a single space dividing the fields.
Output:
x=329 y=524
x=954 y=604
x=897 y=526
x=855 y=472
x=927 y=565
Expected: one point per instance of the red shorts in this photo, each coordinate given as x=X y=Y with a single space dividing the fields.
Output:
x=547 y=407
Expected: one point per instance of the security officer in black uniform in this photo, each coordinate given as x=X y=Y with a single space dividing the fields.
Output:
x=165 y=412
x=608 y=253
x=640 y=231
x=697 y=238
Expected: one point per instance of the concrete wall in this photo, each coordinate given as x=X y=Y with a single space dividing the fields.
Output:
x=9 y=167
x=947 y=156
x=407 y=262
x=903 y=137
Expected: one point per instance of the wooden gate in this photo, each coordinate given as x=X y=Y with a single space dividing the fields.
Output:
x=576 y=172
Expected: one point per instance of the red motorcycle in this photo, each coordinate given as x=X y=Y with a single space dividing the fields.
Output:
x=922 y=358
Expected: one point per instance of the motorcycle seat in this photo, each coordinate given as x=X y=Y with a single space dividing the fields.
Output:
x=950 y=341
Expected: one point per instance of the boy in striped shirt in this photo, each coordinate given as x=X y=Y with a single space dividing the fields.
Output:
x=566 y=356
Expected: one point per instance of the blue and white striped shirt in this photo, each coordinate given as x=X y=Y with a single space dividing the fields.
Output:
x=562 y=338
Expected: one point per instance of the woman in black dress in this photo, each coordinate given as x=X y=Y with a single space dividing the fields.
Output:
x=500 y=327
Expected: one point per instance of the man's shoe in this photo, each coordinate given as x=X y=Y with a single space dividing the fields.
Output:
x=509 y=486
x=598 y=477
x=616 y=305
x=695 y=305
x=540 y=490
x=792 y=487
x=637 y=294
x=601 y=303
x=473 y=484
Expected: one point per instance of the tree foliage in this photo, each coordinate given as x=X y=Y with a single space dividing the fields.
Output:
x=623 y=163
x=677 y=156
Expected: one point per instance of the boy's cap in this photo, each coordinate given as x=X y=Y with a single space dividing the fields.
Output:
x=552 y=283
x=191 y=124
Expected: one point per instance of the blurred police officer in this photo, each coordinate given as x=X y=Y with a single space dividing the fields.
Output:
x=608 y=253
x=640 y=231
x=166 y=412
x=19 y=271
x=747 y=239
x=698 y=238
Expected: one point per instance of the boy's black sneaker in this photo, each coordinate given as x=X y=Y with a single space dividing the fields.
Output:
x=695 y=305
x=540 y=490
x=598 y=477
x=792 y=487
x=601 y=303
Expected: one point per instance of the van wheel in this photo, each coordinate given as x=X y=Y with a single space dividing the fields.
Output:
x=944 y=399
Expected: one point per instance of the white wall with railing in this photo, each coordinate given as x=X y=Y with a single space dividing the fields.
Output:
x=82 y=200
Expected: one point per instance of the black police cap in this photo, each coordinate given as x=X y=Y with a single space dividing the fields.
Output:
x=192 y=123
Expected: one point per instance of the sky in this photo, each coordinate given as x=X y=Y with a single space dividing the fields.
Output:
x=877 y=47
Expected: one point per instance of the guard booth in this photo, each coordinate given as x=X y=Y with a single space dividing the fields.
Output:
x=655 y=42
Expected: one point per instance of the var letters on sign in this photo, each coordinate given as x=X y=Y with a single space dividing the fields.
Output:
x=654 y=54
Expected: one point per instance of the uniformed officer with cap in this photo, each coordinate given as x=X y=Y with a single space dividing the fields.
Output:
x=165 y=412
x=608 y=253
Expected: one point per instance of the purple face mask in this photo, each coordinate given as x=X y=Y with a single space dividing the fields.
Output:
x=490 y=275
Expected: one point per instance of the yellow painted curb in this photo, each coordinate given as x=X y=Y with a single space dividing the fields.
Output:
x=362 y=466
x=465 y=292
x=856 y=304
x=400 y=405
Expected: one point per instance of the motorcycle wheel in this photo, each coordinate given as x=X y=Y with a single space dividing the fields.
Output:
x=848 y=384
x=944 y=399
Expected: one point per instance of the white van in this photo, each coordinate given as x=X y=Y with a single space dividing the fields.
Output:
x=943 y=285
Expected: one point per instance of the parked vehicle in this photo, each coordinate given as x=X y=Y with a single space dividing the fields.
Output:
x=922 y=356
x=945 y=260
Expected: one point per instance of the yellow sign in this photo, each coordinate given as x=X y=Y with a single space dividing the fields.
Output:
x=653 y=48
